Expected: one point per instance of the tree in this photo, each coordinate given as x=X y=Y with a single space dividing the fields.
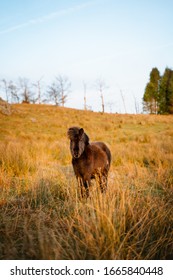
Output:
x=53 y=93
x=13 y=92
x=10 y=91
x=136 y=105
x=166 y=93
x=123 y=99
x=85 y=88
x=59 y=89
x=151 y=94
x=63 y=85
x=37 y=85
x=25 y=90
x=5 y=87
x=101 y=86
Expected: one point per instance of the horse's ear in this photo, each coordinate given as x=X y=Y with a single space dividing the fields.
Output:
x=81 y=131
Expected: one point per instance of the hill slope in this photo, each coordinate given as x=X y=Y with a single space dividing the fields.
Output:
x=40 y=203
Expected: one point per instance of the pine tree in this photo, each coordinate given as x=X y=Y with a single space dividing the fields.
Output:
x=166 y=93
x=151 y=94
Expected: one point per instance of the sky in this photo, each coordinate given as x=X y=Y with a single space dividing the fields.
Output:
x=118 y=42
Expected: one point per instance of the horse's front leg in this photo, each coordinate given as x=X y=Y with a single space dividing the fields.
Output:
x=84 y=187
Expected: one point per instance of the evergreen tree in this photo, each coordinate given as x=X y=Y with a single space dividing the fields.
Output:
x=166 y=93
x=151 y=94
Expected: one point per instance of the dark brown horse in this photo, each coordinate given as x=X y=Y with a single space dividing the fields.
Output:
x=89 y=160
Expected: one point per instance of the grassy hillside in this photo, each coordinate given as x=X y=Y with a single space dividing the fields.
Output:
x=41 y=213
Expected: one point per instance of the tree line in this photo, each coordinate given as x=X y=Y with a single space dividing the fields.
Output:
x=158 y=94
x=157 y=98
x=24 y=91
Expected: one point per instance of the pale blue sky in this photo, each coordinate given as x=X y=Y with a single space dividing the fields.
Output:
x=118 y=41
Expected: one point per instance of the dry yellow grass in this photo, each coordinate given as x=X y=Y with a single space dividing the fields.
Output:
x=41 y=213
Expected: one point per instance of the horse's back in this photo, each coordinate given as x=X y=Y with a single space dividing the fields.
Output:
x=104 y=148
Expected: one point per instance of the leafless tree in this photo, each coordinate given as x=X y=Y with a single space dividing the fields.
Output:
x=123 y=99
x=85 y=88
x=25 y=90
x=5 y=88
x=38 y=87
x=136 y=105
x=10 y=90
x=63 y=85
x=110 y=104
x=13 y=92
x=53 y=93
x=101 y=86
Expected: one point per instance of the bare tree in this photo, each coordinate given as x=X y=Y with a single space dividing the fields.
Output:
x=64 y=85
x=5 y=87
x=13 y=92
x=110 y=104
x=123 y=99
x=54 y=93
x=85 y=88
x=37 y=85
x=136 y=105
x=10 y=91
x=25 y=90
x=101 y=86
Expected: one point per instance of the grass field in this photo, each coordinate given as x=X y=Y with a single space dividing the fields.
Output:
x=41 y=213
